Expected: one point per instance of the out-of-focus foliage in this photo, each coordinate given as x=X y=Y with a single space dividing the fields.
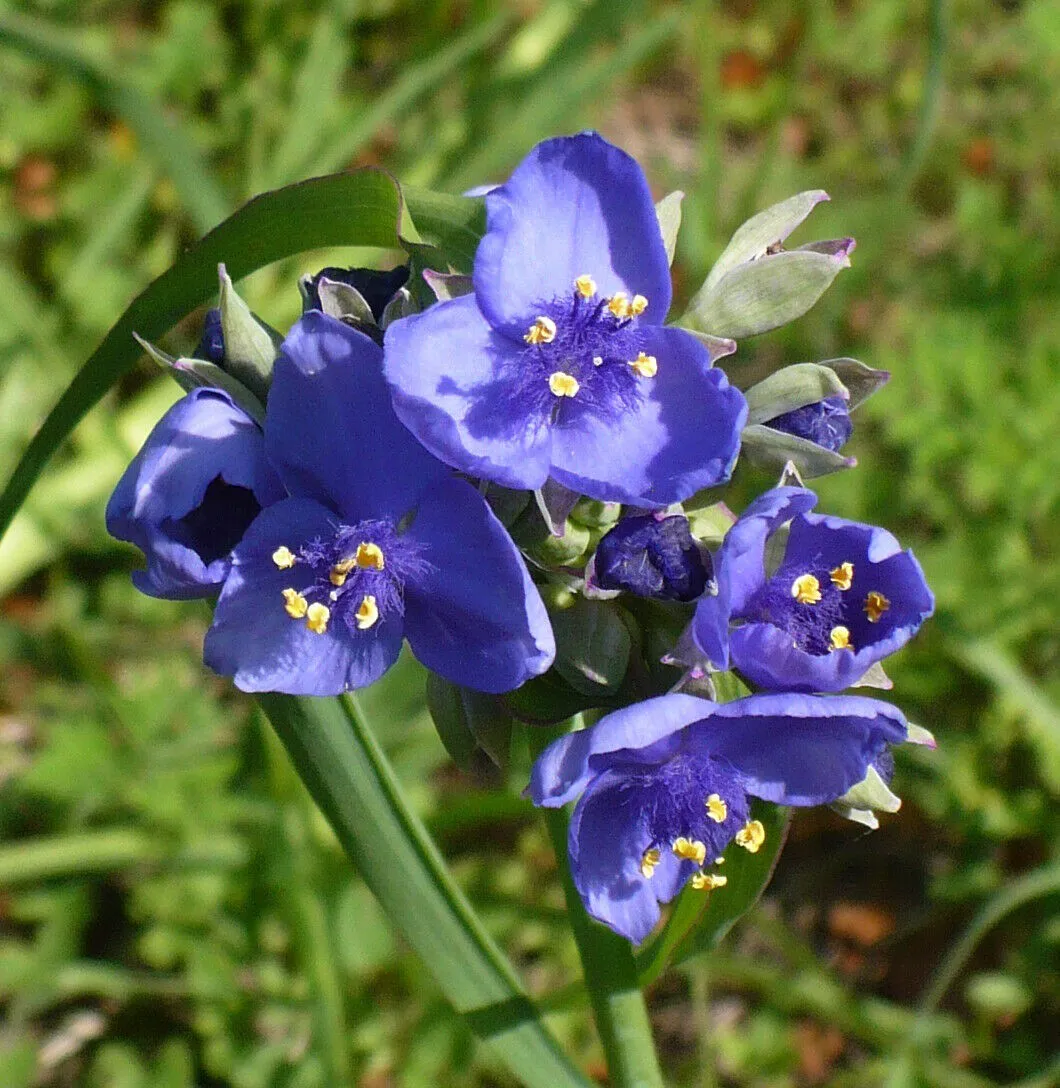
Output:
x=172 y=912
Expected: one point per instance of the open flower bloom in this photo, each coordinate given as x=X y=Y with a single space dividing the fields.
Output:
x=665 y=784
x=377 y=542
x=558 y=364
x=190 y=493
x=841 y=597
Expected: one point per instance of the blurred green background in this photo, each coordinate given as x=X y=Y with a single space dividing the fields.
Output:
x=172 y=910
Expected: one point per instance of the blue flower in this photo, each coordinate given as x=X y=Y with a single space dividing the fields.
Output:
x=841 y=597
x=665 y=784
x=558 y=364
x=824 y=422
x=651 y=556
x=190 y=494
x=377 y=542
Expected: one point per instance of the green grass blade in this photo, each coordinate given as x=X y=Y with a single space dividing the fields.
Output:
x=351 y=780
x=204 y=200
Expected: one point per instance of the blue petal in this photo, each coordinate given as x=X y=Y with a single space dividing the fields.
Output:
x=799 y=749
x=442 y=366
x=684 y=435
x=607 y=839
x=475 y=617
x=252 y=638
x=574 y=205
x=562 y=770
x=330 y=428
x=203 y=437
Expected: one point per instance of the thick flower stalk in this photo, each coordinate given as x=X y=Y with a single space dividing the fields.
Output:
x=558 y=365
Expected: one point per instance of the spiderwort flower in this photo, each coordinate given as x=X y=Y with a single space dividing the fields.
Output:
x=378 y=541
x=824 y=422
x=665 y=784
x=651 y=556
x=558 y=364
x=190 y=493
x=843 y=597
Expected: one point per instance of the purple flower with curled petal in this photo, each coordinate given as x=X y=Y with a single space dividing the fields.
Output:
x=190 y=493
x=841 y=597
x=665 y=787
x=377 y=542
x=824 y=422
x=558 y=365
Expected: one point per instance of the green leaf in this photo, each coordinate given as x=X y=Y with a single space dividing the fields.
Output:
x=351 y=780
x=471 y=724
x=362 y=208
x=592 y=647
x=699 y=920
x=789 y=388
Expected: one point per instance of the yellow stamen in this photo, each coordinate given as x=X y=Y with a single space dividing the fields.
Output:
x=585 y=285
x=690 y=850
x=645 y=366
x=283 y=557
x=295 y=604
x=806 y=589
x=717 y=809
x=367 y=613
x=751 y=836
x=638 y=304
x=563 y=384
x=316 y=618
x=619 y=304
x=875 y=606
x=648 y=861
x=839 y=637
x=369 y=556
x=542 y=331
x=707 y=882
x=337 y=574
x=843 y=576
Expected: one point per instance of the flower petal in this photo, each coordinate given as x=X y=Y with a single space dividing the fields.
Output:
x=475 y=617
x=442 y=366
x=330 y=428
x=562 y=770
x=684 y=435
x=256 y=642
x=575 y=205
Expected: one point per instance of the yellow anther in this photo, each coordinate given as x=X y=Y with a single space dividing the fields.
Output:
x=638 y=304
x=707 y=882
x=369 y=556
x=645 y=366
x=843 y=576
x=875 y=606
x=751 y=836
x=337 y=574
x=295 y=605
x=283 y=557
x=316 y=618
x=585 y=285
x=717 y=809
x=542 y=331
x=690 y=850
x=367 y=613
x=563 y=384
x=619 y=304
x=648 y=861
x=806 y=589
x=839 y=637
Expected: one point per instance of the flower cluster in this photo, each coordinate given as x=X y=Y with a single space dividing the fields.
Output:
x=368 y=487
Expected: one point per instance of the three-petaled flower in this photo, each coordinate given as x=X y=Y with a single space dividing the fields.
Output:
x=842 y=596
x=664 y=787
x=377 y=542
x=558 y=364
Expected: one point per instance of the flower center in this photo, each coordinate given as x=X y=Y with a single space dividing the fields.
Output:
x=356 y=577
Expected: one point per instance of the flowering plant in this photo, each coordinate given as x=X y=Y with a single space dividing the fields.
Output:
x=504 y=456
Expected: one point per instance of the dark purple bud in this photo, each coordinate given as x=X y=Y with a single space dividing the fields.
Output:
x=377 y=288
x=212 y=345
x=825 y=423
x=653 y=557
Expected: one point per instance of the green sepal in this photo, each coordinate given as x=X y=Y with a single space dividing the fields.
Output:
x=668 y=212
x=344 y=301
x=549 y=699
x=875 y=677
x=192 y=374
x=448 y=285
x=251 y=347
x=770 y=450
x=792 y=387
x=592 y=647
x=594 y=514
x=562 y=551
x=871 y=795
x=473 y=727
x=860 y=379
x=710 y=524
x=401 y=305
